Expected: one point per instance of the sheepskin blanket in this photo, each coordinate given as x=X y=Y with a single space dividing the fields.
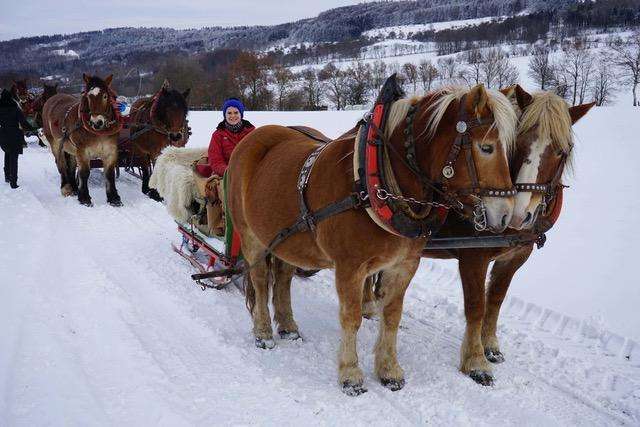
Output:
x=173 y=178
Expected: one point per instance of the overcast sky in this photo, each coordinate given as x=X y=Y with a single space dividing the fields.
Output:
x=23 y=18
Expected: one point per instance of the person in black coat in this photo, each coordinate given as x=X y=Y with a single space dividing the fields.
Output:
x=11 y=135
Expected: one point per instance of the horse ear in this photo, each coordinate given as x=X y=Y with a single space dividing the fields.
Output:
x=186 y=93
x=108 y=79
x=86 y=78
x=576 y=112
x=523 y=97
x=478 y=97
x=508 y=91
x=165 y=85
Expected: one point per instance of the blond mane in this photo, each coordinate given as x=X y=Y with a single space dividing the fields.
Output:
x=505 y=118
x=550 y=114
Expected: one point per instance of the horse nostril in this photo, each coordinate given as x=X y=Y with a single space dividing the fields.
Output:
x=527 y=218
x=504 y=221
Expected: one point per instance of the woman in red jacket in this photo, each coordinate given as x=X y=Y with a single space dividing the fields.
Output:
x=227 y=135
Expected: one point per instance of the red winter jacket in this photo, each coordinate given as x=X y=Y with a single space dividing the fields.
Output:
x=222 y=144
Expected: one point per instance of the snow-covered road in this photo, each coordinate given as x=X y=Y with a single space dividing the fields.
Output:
x=100 y=324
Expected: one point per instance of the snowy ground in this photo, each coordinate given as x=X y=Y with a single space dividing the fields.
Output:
x=100 y=323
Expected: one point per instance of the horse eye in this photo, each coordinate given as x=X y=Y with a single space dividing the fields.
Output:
x=486 y=148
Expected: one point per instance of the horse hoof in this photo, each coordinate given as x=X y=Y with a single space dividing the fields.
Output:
x=494 y=356
x=393 y=385
x=353 y=390
x=116 y=202
x=265 y=344
x=482 y=377
x=289 y=335
x=86 y=202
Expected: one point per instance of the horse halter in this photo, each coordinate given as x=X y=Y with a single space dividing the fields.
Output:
x=112 y=126
x=462 y=142
x=549 y=189
x=184 y=131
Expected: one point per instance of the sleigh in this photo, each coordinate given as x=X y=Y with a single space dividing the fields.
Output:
x=215 y=256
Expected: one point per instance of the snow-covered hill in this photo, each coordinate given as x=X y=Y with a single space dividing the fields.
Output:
x=100 y=323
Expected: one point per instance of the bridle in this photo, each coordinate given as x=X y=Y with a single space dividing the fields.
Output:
x=549 y=190
x=151 y=124
x=451 y=199
x=112 y=126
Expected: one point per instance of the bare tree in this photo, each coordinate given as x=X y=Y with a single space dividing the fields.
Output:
x=603 y=79
x=336 y=82
x=378 y=75
x=284 y=80
x=448 y=69
x=507 y=73
x=311 y=88
x=627 y=57
x=410 y=71
x=492 y=65
x=359 y=76
x=428 y=74
x=574 y=66
x=474 y=60
x=252 y=78
x=541 y=68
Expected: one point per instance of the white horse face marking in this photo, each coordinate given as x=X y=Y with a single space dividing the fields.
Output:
x=526 y=202
x=95 y=91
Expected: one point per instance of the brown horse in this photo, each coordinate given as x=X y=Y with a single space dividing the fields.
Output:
x=81 y=129
x=20 y=93
x=263 y=172
x=157 y=122
x=543 y=147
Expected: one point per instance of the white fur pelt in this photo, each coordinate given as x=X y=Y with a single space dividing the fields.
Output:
x=173 y=178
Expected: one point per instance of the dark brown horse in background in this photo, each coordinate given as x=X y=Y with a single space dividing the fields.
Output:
x=20 y=93
x=82 y=129
x=543 y=148
x=38 y=104
x=157 y=122
x=263 y=175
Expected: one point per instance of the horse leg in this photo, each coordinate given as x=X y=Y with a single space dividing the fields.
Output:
x=110 y=163
x=473 y=270
x=500 y=278
x=349 y=284
x=283 y=314
x=394 y=285
x=70 y=172
x=84 y=169
x=66 y=187
x=146 y=174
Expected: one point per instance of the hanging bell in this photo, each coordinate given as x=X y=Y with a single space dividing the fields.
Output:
x=461 y=127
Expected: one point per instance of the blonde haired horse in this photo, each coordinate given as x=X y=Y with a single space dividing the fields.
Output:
x=543 y=149
x=82 y=129
x=263 y=173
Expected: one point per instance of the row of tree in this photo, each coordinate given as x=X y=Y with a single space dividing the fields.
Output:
x=581 y=75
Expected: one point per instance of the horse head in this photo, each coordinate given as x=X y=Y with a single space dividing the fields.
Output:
x=48 y=91
x=543 y=151
x=169 y=111
x=467 y=134
x=97 y=101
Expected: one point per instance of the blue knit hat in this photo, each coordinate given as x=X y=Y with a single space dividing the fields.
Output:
x=232 y=102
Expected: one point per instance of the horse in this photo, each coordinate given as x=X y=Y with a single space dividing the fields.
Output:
x=82 y=129
x=263 y=199
x=157 y=122
x=38 y=104
x=543 y=149
x=20 y=93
